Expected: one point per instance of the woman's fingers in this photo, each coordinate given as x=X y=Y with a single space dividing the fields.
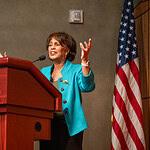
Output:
x=85 y=49
x=1 y=55
x=86 y=45
x=90 y=43
x=5 y=55
x=81 y=46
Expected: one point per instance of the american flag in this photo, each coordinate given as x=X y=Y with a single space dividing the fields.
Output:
x=127 y=112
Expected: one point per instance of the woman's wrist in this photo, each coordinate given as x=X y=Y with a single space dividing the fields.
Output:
x=85 y=63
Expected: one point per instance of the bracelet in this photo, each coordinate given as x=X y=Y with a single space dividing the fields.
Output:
x=86 y=65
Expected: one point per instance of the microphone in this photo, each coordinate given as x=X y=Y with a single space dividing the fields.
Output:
x=42 y=57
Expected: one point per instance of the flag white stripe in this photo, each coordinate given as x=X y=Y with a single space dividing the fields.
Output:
x=136 y=60
x=133 y=84
x=115 y=141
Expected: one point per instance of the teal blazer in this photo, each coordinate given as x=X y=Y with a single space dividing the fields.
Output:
x=71 y=85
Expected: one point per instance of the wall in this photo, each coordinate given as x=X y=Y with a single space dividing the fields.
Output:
x=25 y=25
x=142 y=32
x=136 y=2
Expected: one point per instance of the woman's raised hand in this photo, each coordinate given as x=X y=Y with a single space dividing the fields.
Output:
x=84 y=57
x=85 y=50
x=5 y=55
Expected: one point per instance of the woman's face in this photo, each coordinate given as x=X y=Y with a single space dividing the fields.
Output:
x=56 y=51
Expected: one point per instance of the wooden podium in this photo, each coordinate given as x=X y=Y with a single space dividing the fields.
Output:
x=27 y=102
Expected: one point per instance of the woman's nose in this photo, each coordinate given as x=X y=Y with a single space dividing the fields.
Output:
x=53 y=46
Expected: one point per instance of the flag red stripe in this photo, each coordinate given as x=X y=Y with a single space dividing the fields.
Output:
x=135 y=71
x=131 y=95
x=119 y=134
x=112 y=110
x=131 y=129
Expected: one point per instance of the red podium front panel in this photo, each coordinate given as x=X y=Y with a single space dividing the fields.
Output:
x=27 y=102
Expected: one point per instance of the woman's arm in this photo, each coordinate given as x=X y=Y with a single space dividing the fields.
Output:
x=86 y=77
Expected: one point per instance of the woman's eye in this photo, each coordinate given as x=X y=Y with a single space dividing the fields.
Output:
x=57 y=44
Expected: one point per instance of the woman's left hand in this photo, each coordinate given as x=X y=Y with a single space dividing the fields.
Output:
x=85 y=50
x=5 y=55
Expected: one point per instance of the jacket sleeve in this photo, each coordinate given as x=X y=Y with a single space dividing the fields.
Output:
x=86 y=83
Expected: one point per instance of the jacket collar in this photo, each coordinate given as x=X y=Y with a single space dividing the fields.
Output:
x=64 y=69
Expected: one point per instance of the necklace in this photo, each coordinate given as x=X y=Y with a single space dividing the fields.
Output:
x=55 y=75
x=56 y=72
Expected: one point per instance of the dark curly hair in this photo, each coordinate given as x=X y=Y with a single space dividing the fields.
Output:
x=64 y=39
